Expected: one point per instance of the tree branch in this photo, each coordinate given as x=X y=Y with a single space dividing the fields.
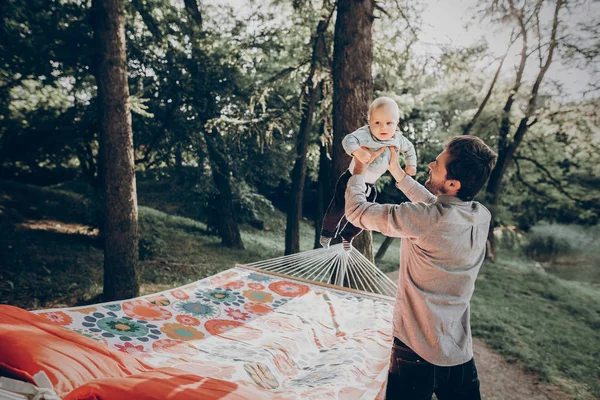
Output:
x=285 y=72
x=528 y=185
x=148 y=19
x=401 y=11
x=191 y=7
x=553 y=181
x=381 y=9
x=522 y=128
x=467 y=128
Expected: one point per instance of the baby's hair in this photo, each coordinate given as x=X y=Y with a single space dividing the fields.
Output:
x=382 y=102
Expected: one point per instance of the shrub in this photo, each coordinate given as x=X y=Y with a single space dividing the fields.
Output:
x=546 y=242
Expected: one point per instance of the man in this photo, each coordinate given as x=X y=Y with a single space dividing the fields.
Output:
x=443 y=235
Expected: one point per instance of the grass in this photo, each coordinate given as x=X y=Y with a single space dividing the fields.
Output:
x=391 y=260
x=550 y=325
x=51 y=258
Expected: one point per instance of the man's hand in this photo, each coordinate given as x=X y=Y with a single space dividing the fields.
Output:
x=359 y=166
x=363 y=155
x=411 y=170
x=395 y=168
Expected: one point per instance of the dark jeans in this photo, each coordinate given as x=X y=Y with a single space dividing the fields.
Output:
x=412 y=378
x=334 y=221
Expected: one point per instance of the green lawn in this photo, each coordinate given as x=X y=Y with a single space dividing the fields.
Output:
x=550 y=325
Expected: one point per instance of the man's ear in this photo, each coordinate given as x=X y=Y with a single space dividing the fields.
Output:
x=452 y=185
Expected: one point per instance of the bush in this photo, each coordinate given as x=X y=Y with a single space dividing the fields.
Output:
x=547 y=242
x=510 y=238
x=150 y=245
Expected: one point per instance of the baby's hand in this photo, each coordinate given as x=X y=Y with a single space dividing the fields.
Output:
x=410 y=170
x=364 y=156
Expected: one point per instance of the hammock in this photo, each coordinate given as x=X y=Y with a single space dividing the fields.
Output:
x=348 y=269
x=295 y=335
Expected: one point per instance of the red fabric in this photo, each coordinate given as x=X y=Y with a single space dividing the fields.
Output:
x=30 y=343
x=84 y=369
x=166 y=384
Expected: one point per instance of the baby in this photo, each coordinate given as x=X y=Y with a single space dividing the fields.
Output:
x=372 y=140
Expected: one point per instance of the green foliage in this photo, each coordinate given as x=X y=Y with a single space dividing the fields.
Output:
x=153 y=224
x=35 y=202
x=545 y=242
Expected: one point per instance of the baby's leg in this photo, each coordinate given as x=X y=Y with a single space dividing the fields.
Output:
x=335 y=211
x=349 y=231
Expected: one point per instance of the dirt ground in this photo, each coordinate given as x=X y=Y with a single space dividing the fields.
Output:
x=501 y=380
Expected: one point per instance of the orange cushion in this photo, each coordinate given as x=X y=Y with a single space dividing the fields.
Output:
x=30 y=343
x=167 y=384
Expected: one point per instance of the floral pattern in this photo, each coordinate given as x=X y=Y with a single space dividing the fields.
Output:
x=198 y=309
x=180 y=294
x=144 y=310
x=259 y=278
x=297 y=340
x=86 y=310
x=181 y=332
x=125 y=328
x=159 y=300
x=232 y=330
x=221 y=296
x=187 y=320
x=129 y=348
x=237 y=314
x=258 y=308
x=256 y=286
x=285 y=365
x=234 y=285
x=174 y=346
x=261 y=375
x=90 y=335
x=57 y=317
x=258 y=296
x=288 y=289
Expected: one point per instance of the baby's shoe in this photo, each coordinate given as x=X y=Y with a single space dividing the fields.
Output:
x=325 y=241
x=346 y=245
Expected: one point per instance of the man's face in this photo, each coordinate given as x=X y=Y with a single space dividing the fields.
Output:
x=383 y=121
x=437 y=175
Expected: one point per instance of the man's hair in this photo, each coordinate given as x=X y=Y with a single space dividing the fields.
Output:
x=383 y=102
x=470 y=161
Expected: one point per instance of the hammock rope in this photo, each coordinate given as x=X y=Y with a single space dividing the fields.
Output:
x=334 y=265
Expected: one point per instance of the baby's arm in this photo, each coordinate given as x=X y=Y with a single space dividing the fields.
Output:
x=352 y=146
x=410 y=155
x=351 y=143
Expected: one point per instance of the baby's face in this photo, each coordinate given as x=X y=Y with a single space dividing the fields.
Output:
x=382 y=122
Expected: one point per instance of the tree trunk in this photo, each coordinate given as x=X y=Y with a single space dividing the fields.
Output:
x=311 y=95
x=383 y=248
x=352 y=85
x=324 y=191
x=227 y=223
x=294 y=214
x=120 y=198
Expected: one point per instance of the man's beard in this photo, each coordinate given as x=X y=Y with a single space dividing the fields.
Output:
x=437 y=189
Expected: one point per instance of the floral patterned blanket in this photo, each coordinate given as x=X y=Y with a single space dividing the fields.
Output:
x=296 y=339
